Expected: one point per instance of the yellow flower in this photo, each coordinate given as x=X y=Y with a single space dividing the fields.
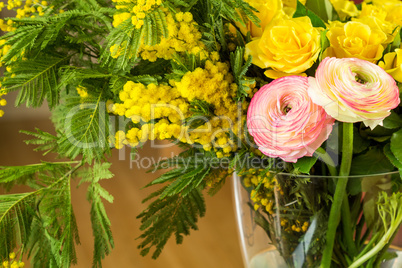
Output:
x=393 y=9
x=82 y=91
x=289 y=6
x=373 y=11
x=267 y=11
x=288 y=46
x=120 y=18
x=378 y=16
x=355 y=39
x=345 y=8
x=392 y=64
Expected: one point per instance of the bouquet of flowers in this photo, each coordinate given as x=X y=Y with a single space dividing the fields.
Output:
x=278 y=92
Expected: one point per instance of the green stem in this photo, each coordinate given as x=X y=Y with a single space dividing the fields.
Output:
x=334 y=216
x=369 y=245
x=359 y=230
x=364 y=238
x=380 y=255
x=379 y=246
x=340 y=257
x=347 y=227
x=326 y=158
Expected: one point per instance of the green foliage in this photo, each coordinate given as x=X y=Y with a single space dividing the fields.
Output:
x=360 y=144
x=127 y=39
x=75 y=76
x=153 y=69
x=187 y=176
x=103 y=239
x=324 y=43
x=117 y=82
x=236 y=11
x=59 y=223
x=16 y=214
x=239 y=68
x=323 y=8
x=155 y=27
x=179 y=203
x=311 y=9
x=175 y=214
x=36 y=176
x=396 y=142
x=46 y=142
x=391 y=157
x=38 y=222
x=85 y=128
x=202 y=111
x=392 y=121
x=40 y=33
x=305 y=164
x=371 y=162
x=181 y=64
x=36 y=79
x=212 y=16
x=185 y=5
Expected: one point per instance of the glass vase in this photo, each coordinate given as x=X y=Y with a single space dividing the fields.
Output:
x=283 y=219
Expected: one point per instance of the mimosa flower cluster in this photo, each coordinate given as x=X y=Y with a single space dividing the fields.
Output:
x=24 y=9
x=182 y=32
x=12 y=262
x=160 y=110
x=183 y=36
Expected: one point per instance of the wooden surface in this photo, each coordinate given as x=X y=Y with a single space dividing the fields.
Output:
x=214 y=245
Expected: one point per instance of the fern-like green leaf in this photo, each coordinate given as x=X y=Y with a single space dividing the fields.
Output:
x=16 y=214
x=85 y=128
x=172 y=215
x=36 y=176
x=62 y=227
x=239 y=68
x=36 y=79
x=124 y=41
x=179 y=204
x=103 y=239
x=46 y=142
x=54 y=229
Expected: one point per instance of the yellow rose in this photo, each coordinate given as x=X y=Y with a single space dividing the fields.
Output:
x=355 y=39
x=345 y=8
x=393 y=9
x=392 y=64
x=268 y=9
x=369 y=10
x=379 y=15
x=288 y=46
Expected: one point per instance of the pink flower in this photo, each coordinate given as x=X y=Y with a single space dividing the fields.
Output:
x=353 y=90
x=285 y=122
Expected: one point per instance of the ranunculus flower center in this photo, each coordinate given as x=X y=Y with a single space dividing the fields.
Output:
x=285 y=122
x=353 y=90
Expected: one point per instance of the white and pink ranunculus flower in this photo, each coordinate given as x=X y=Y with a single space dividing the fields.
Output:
x=353 y=90
x=285 y=122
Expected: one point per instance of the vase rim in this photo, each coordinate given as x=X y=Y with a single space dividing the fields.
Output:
x=329 y=176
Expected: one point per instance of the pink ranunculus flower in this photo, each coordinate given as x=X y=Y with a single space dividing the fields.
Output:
x=354 y=90
x=285 y=122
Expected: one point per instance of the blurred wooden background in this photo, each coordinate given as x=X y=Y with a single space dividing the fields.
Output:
x=215 y=244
